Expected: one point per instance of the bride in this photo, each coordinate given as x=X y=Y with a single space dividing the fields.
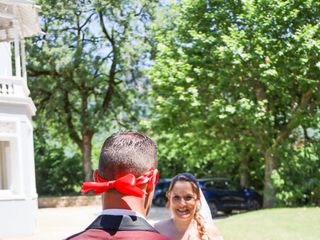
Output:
x=191 y=217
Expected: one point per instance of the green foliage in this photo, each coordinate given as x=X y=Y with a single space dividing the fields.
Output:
x=232 y=82
x=298 y=178
x=58 y=169
x=56 y=173
x=85 y=70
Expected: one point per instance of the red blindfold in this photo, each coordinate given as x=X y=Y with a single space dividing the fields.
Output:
x=128 y=184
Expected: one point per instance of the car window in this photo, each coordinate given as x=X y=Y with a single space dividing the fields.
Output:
x=217 y=184
x=208 y=184
x=159 y=185
x=221 y=185
x=163 y=186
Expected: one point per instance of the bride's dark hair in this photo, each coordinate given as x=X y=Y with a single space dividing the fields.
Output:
x=188 y=177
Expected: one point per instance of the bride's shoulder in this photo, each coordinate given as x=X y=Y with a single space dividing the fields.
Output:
x=165 y=227
x=163 y=224
x=211 y=229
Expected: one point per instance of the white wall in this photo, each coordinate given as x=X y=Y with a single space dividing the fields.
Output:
x=18 y=203
x=19 y=217
x=18 y=197
x=5 y=59
x=4 y=165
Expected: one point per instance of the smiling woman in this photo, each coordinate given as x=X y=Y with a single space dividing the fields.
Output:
x=184 y=202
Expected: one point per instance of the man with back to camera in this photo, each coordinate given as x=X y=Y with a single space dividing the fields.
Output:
x=126 y=178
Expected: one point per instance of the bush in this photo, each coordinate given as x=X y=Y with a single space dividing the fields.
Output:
x=298 y=177
x=56 y=173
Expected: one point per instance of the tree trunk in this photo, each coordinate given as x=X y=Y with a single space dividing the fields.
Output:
x=244 y=171
x=86 y=154
x=269 y=190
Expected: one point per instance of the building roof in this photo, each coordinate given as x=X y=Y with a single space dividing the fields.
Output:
x=22 y=12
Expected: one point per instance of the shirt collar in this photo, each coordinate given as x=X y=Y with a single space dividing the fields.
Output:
x=116 y=211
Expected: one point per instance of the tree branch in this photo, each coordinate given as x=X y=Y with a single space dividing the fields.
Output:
x=104 y=29
x=72 y=132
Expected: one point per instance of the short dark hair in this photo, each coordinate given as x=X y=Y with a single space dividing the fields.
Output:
x=127 y=152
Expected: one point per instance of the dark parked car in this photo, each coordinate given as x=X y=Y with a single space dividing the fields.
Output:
x=224 y=196
x=159 y=196
x=220 y=194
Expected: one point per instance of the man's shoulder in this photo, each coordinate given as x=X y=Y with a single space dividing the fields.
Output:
x=119 y=227
x=99 y=234
x=147 y=235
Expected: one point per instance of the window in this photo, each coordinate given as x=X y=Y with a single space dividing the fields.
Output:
x=209 y=184
x=217 y=184
x=4 y=165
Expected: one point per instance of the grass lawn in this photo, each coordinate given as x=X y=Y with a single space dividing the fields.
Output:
x=272 y=224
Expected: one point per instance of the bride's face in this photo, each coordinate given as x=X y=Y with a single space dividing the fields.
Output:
x=183 y=200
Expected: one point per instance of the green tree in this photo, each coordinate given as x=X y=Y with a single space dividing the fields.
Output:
x=237 y=76
x=85 y=70
x=57 y=173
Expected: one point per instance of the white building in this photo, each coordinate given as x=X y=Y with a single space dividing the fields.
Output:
x=18 y=196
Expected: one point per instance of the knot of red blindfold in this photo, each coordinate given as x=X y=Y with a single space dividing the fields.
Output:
x=128 y=184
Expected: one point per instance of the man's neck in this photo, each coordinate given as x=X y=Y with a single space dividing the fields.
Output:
x=118 y=201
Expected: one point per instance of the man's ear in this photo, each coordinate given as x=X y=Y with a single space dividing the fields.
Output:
x=153 y=180
x=95 y=175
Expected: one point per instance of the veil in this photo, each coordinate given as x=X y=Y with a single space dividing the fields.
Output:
x=205 y=212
